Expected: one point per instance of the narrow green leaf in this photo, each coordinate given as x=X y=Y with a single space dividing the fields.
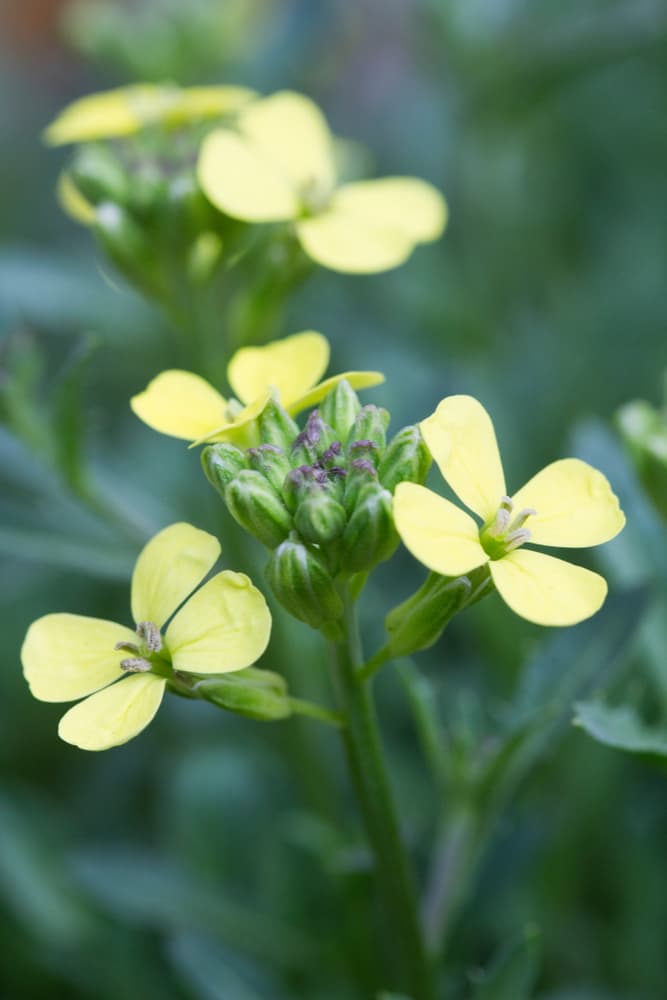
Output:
x=620 y=727
x=513 y=974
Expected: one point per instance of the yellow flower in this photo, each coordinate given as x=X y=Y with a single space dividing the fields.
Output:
x=186 y=406
x=126 y=110
x=121 y=674
x=568 y=504
x=278 y=166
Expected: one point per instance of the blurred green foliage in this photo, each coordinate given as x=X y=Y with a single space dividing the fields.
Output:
x=214 y=858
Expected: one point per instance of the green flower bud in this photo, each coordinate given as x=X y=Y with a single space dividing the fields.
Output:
x=370 y=425
x=128 y=247
x=256 y=694
x=276 y=426
x=99 y=175
x=360 y=473
x=370 y=536
x=222 y=463
x=339 y=408
x=313 y=441
x=272 y=462
x=256 y=506
x=148 y=190
x=364 y=450
x=406 y=458
x=319 y=517
x=302 y=584
x=204 y=256
x=418 y=622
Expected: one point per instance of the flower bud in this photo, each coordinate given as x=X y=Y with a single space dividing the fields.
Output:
x=256 y=506
x=360 y=473
x=363 y=450
x=222 y=463
x=256 y=694
x=370 y=425
x=339 y=408
x=272 y=462
x=418 y=622
x=276 y=426
x=99 y=175
x=128 y=247
x=313 y=441
x=406 y=458
x=370 y=536
x=319 y=517
x=300 y=581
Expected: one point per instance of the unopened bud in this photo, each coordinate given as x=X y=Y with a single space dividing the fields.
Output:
x=222 y=463
x=319 y=517
x=364 y=449
x=302 y=584
x=253 y=693
x=99 y=175
x=418 y=622
x=128 y=246
x=276 y=426
x=370 y=536
x=339 y=408
x=256 y=506
x=272 y=462
x=360 y=473
x=406 y=459
x=371 y=425
x=313 y=441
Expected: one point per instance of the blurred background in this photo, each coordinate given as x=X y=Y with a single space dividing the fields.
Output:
x=218 y=858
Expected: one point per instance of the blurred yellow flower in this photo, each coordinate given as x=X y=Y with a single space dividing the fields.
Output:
x=278 y=165
x=185 y=405
x=568 y=504
x=121 y=674
x=126 y=110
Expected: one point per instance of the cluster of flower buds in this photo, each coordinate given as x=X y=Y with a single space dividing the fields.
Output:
x=319 y=498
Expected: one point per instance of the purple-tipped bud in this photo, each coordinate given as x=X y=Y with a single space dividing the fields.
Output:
x=360 y=472
x=370 y=425
x=313 y=441
x=271 y=461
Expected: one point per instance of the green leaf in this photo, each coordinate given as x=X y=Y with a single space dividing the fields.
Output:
x=69 y=420
x=213 y=973
x=620 y=727
x=513 y=974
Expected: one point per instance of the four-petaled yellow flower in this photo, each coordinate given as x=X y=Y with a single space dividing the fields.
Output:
x=185 y=405
x=568 y=504
x=124 y=111
x=121 y=674
x=278 y=165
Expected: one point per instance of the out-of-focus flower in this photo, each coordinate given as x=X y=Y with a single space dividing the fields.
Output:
x=122 y=674
x=568 y=504
x=124 y=111
x=185 y=405
x=278 y=165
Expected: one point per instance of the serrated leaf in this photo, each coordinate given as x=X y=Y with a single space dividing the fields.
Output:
x=620 y=727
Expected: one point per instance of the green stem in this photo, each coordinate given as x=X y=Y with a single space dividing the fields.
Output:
x=309 y=709
x=368 y=771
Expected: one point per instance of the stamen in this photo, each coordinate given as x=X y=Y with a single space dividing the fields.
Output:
x=516 y=538
x=127 y=647
x=150 y=634
x=502 y=519
x=135 y=665
x=522 y=517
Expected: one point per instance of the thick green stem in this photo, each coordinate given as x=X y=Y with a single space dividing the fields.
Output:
x=368 y=771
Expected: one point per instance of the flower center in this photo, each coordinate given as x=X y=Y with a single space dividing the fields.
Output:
x=506 y=531
x=315 y=196
x=144 y=652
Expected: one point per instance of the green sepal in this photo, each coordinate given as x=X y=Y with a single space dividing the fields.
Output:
x=419 y=621
x=370 y=424
x=275 y=426
x=319 y=517
x=255 y=505
x=272 y=462
x=360 y=473
x=253 y=693
x=301 y=582
x=221 y=463
x=407 y=459
x=339 y=409
x=370 y=536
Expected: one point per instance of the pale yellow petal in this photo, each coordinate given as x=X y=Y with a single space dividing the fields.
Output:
x=574 y=503
x=292 y=133
x=546 y=590
x=407 y=205
x=225 y=626
x=351 y=245
x=242 y=430
x=437 y=533
x=73 y=202
x=241 y=182
x=69 y=656
x=461 y=438
x=181 y=404
x=169 y=567
x=358 y=380
x=107 y=115
x=292 y=366
x=113 y=716
x=194 y=103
